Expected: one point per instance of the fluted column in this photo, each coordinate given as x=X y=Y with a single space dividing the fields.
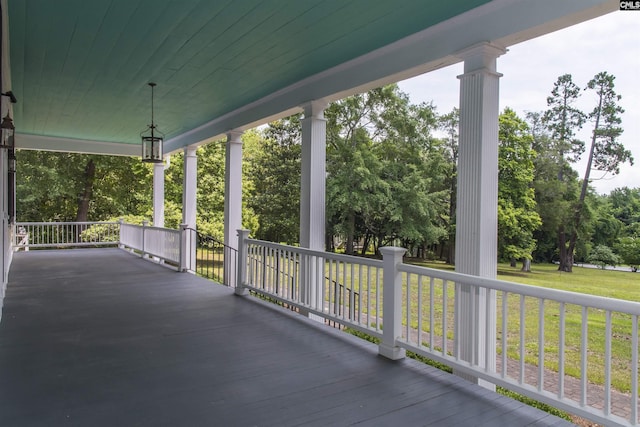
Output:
x=313 y=169
x=312 y=200
x=477 y=204
x=158 y=194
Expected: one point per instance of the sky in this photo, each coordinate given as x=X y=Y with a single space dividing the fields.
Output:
x=609 y=43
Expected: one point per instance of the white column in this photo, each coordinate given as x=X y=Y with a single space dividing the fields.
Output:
x=190 y=187
x=4 y=226
x=313 y=169
x=477 y=204
x=233 y=189
x=158 y=195
x=312 y=200
x=232 y=200
x=189 y=207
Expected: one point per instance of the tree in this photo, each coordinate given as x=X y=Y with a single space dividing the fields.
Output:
x=606 y=153
x=606 y=228
x=563 y=121
x=449 y=123
x=275 y=172
x=381 y=160
x=625 y=207
x=409 y=214
x=355 y=188
x=517 y=216
x=629 y=250
x=603 y=256
x=79 y=187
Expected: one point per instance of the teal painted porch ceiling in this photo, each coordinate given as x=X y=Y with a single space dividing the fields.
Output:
x=80 y=68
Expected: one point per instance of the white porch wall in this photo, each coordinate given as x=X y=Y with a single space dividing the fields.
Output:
x=477 y=203
x=233 y=189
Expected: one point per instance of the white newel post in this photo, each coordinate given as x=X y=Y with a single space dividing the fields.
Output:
x=158 y=198
x=121 y=222
x=391 y=302
x=243 y=254
x=145 y=224
x=232 y=202
x=189 y=205
x=185 y=236
x=158 y=195
x=312 y=198
x=477 y=206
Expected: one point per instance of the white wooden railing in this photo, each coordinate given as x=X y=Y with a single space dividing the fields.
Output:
x=349 y=289
x=64 y=234
x=163 y=244
x=160 y=244
x=414 y=308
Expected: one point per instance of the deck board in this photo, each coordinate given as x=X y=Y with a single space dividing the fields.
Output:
x=100 y=337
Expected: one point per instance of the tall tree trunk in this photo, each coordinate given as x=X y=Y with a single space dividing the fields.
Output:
x=365 y=244
x=526 y=265
x=352 y=226
x=566 y=258
x=84 y=198
x=328 y=242
x=451 y=253
x=585 y=185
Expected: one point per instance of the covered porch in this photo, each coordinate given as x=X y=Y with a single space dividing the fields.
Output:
x=101 y=337
x=84 y=343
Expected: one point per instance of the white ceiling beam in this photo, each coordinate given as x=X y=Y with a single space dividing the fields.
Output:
x=69 y=145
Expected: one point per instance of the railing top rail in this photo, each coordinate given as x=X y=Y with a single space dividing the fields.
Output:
x=66 y=223
x=151 y=227
x=593 y=301
x=211 y=238
x=598 y=302
x=326 y=255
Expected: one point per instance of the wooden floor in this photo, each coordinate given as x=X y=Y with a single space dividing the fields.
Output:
x=103 y=338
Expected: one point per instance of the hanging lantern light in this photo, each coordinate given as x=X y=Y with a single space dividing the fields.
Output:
x=152 y=139
x=7 y=138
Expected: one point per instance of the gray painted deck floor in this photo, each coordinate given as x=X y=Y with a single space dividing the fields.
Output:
x=102 y=338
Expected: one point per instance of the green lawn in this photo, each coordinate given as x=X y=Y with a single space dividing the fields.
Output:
x=606 y=283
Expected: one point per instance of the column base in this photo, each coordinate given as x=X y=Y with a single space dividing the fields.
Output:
x=475 y=380
x=393 y=353
x=241 y=291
